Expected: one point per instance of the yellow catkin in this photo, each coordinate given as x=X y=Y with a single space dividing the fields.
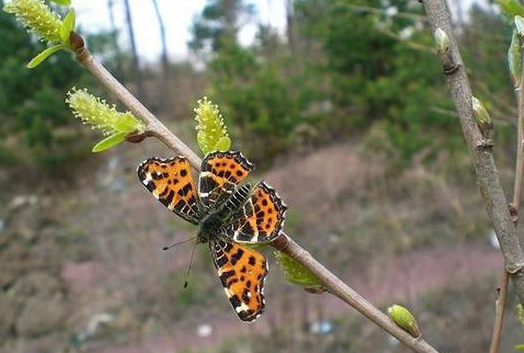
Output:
x=37 y=17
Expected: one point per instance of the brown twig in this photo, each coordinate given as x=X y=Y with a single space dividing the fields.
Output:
x=500 y=311
x=481 y=152
x=500 y=308
x=283 y=243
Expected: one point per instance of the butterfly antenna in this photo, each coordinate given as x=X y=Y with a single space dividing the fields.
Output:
x=190 y=265
x=177 y=244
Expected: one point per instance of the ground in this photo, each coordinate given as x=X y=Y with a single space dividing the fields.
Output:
x=83 y=270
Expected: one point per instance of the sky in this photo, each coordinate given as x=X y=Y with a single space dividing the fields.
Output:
x=93 y=16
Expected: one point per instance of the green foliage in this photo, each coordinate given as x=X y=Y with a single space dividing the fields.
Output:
x=32 y=100
x=211 y=129
x=264 y=98
x=353 y=74
x=376 y=76
x=515 y=59
x=68 y=26
x=37 y=60
x=511 y=7
x=296 y=273
x=218 y=24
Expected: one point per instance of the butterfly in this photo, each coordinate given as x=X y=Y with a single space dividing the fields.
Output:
x=228 y=214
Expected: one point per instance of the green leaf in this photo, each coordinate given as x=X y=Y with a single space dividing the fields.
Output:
x=515 y=59
x=511 y=7
x=296 y=273
x=519 y=347
x=109 y=142
x=62 y=2
x=37 y=60
x=68 y=26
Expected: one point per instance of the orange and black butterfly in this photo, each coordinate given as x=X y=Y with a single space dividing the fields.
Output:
x=228 y=214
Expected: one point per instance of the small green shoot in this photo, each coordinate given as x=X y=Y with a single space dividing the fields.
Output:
x=404 y=319
x=298 y=274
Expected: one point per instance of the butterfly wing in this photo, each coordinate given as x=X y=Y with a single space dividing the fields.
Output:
x=171 y=182
x=242 y=272
x=262 y=218
x=221 y=173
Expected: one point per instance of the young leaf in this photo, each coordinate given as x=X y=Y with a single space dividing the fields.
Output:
x=62 y=2
x=68 y=26
x=296 y=273
x=109 y=142
x=515 y=59
x=519 y=347
x=37 y=60
x=482 y=118
x=511 y=7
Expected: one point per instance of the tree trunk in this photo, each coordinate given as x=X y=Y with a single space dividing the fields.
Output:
x=114 y=39
x=165 y=77
x=290 y=25
x=137 y=75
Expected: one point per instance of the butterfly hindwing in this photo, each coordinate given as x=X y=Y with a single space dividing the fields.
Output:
x=262 y=218
x=242 y=272
x=221 y=173
x=172 y=183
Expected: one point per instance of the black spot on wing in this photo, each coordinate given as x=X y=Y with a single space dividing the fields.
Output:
x=167 y=201
x=221 y=261
x=235 y=301
x=185 y=190
x=236 y=256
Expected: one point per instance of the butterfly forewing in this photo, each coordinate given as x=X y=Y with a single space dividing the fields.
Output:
x=221 y=173
x=242 y=272
x=172 y=183
x=262 y=218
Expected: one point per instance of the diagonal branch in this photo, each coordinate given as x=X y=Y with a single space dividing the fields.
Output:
x=283 y=243
x=481 y=152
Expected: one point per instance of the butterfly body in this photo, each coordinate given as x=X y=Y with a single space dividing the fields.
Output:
x=227 y=214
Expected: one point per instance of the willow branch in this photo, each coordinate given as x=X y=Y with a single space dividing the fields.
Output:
x=283 y=243
x=481 y=152
x=500 y=311
x=500 y=308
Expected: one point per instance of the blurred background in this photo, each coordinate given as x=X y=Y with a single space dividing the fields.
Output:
x=342 y=106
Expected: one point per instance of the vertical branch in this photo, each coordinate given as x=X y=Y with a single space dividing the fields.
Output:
x=290 y=25
x=481 y=152
x=500 y=309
